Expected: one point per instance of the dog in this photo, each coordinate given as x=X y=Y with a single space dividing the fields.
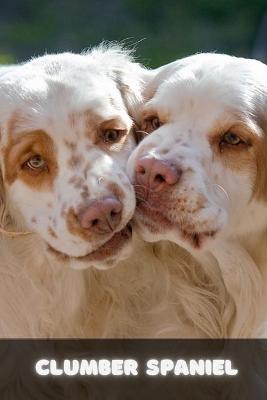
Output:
x=201 y=176
x=66 y=124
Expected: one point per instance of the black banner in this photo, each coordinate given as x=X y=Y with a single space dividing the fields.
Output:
x=133 y=369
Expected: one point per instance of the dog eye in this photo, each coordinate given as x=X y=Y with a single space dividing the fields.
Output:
x=111 y=135
x=156 y=123
x=36 y=163
x=150 y=124
x=231 y=138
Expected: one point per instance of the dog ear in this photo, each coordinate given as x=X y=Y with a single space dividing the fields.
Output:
x=260 y=186
x=6 y=220
x=130 y=76
x=131 y=80
x=3 y=207
x=4 y=214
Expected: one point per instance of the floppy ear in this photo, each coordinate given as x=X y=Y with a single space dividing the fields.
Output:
x=5 y=218
x=260 y=185
x=3 y=208
x=131 y=79
x=138 y=85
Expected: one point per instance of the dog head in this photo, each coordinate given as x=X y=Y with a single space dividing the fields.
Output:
x=201 y=171
x=66 y=134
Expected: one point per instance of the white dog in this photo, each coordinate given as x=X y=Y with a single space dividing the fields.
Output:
x=66 y=125
x=201 y=176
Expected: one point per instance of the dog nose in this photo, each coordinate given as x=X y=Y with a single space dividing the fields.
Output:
x=102 y=216
x=156 y=174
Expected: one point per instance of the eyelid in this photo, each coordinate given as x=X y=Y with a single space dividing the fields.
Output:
x=240 y=136
x=117 y=129
x=26 y=156
x=113 y=124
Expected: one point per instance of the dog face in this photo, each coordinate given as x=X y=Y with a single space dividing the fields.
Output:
x=66 y=135
x=201 y=172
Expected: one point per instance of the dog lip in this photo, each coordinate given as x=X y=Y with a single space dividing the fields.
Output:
x=110 y=248
x=196 y=239
x=154 y=215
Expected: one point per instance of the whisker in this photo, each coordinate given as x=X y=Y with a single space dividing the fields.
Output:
x=137 y=186
x=142 y=200
x=223 y=190
x=149 y=190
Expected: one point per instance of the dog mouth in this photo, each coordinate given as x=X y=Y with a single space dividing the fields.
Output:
x=153 y=218
x=104 y=252
x=197 y=239
x=157 y=223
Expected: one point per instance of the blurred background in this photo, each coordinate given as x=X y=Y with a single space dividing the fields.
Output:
x=162 y=30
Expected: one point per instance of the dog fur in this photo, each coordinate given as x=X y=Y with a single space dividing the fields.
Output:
x=217 y=209
x=47 y=289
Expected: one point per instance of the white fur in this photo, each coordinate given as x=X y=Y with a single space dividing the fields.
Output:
x=159 y=291
x=193 y=96
x=43 y=93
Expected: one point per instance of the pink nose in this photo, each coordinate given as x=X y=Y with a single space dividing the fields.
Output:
x=102 y=216
x=156 y=174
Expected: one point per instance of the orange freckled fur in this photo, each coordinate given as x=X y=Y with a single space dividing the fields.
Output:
x=74 y=227
x=23 y=146
x=240 y=158
x=95 y=125
x=159 y=291
x=260 y=165
x=75 y=160
x=115 y=189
